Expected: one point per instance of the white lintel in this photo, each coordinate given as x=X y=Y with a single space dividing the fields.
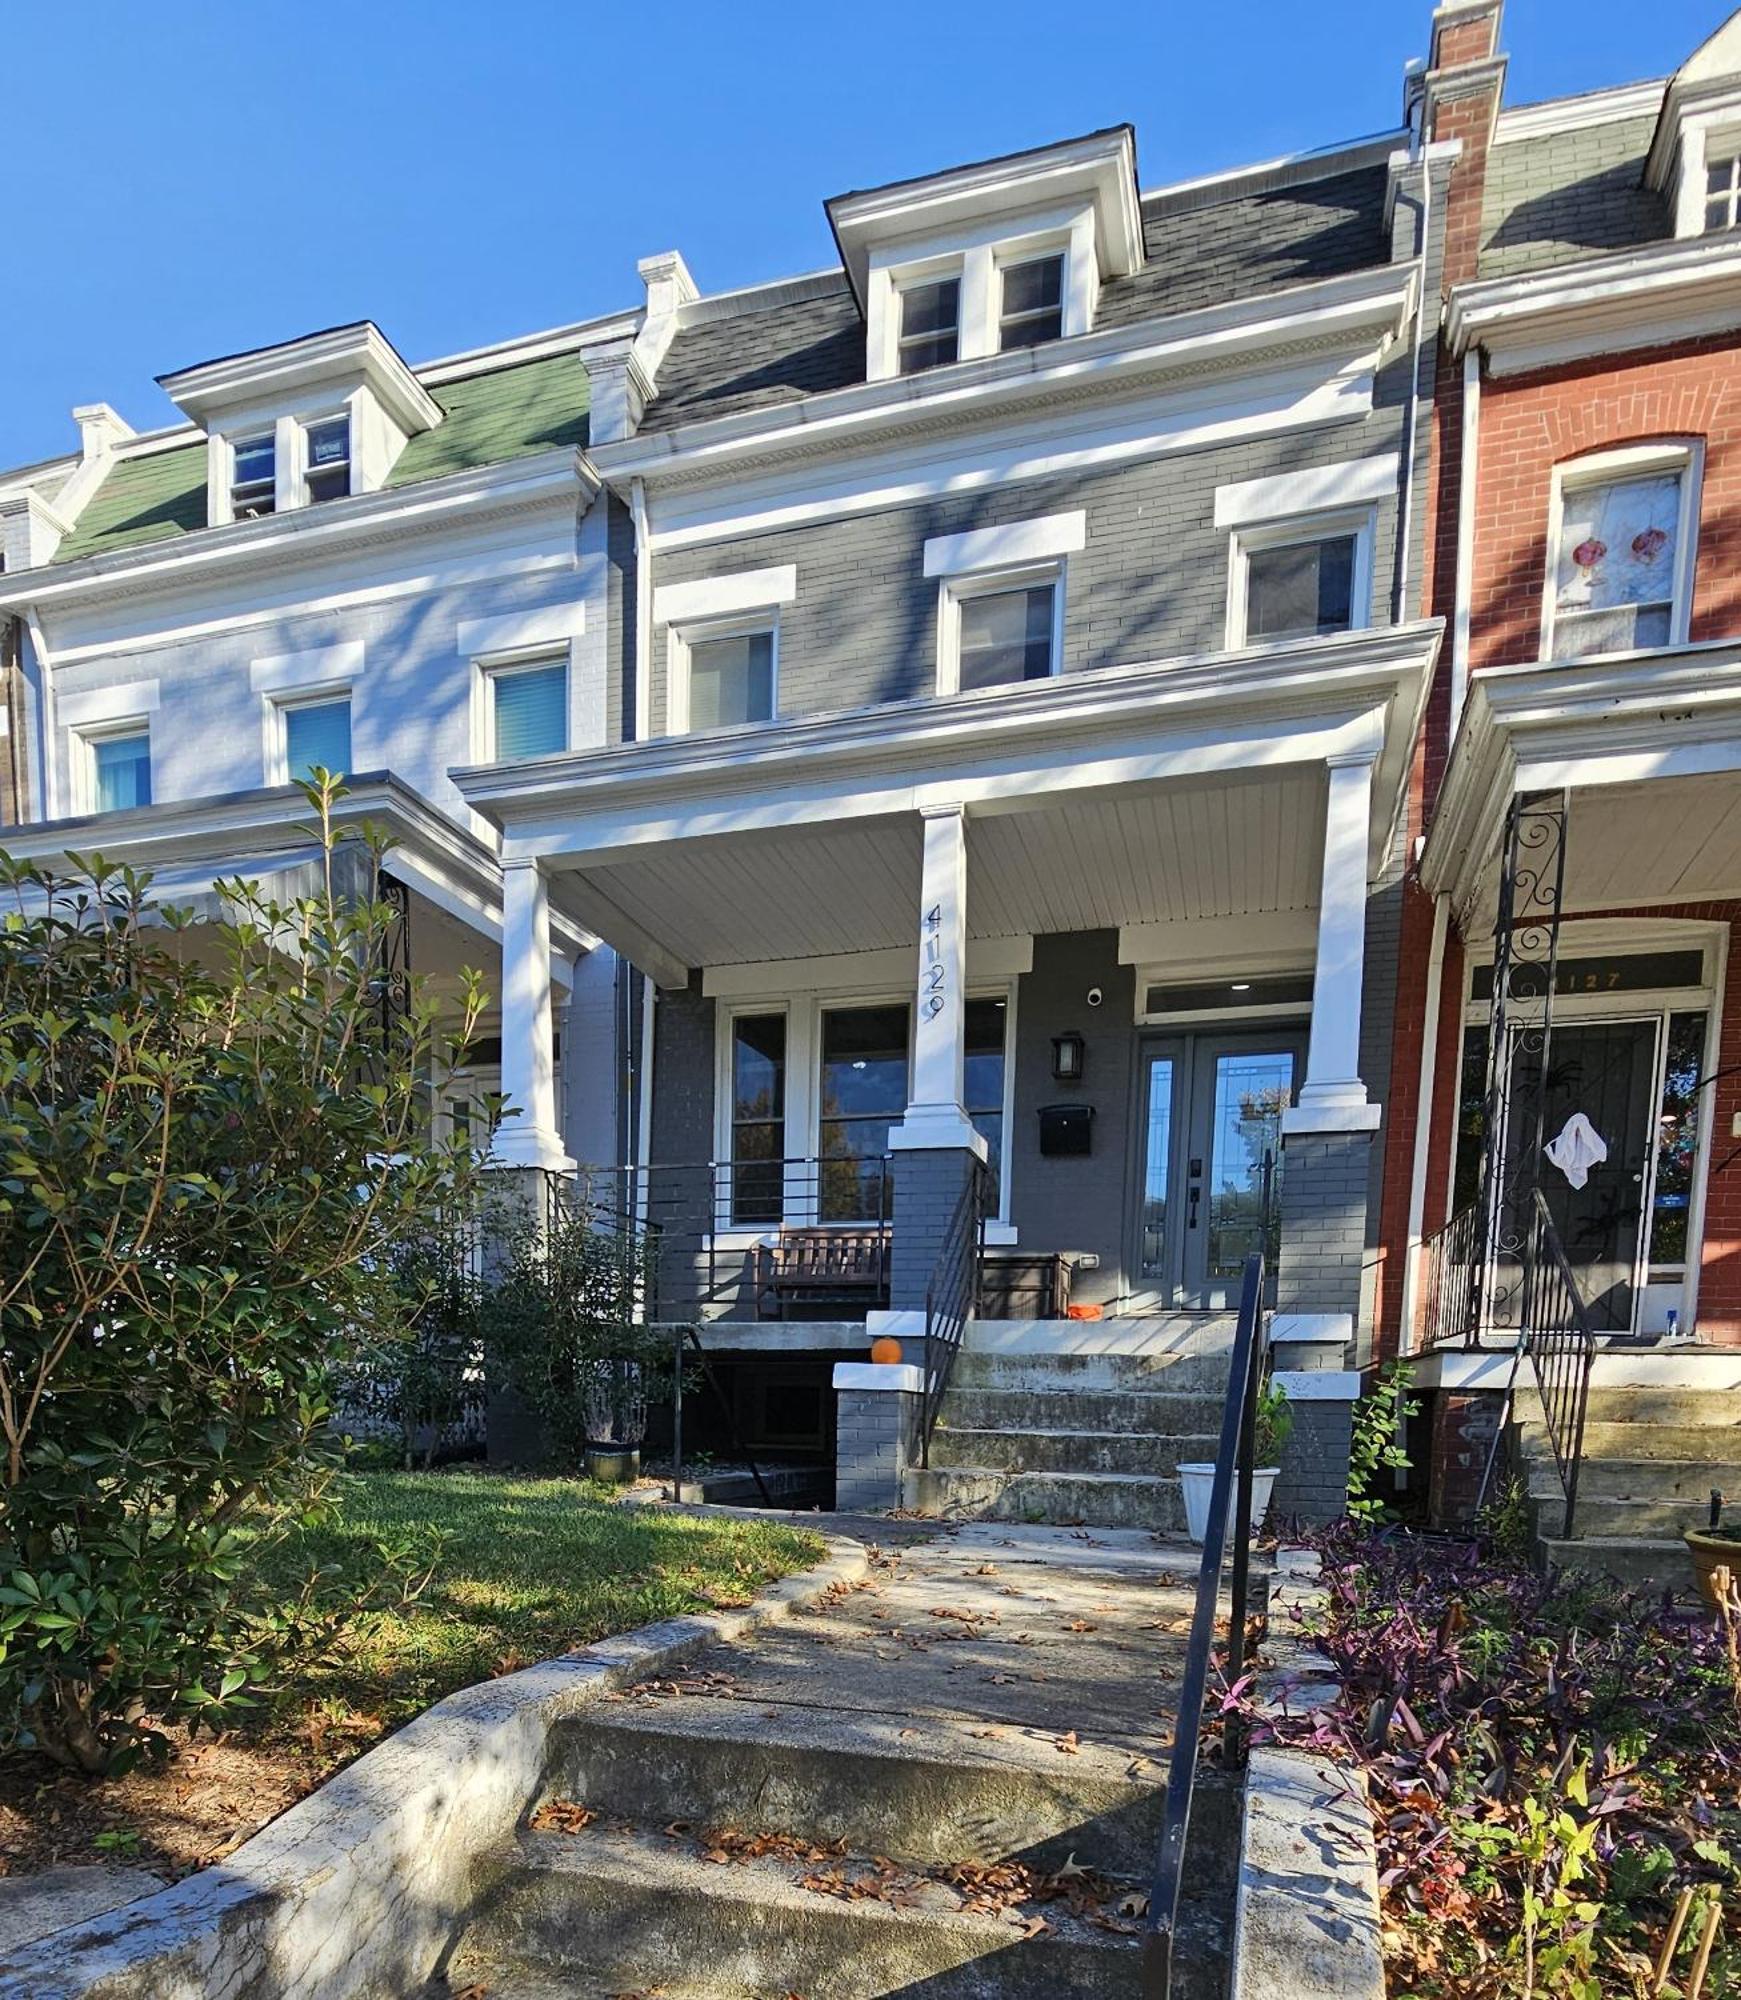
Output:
x=1043 y=539
x=1312 y=489
x=725 y=596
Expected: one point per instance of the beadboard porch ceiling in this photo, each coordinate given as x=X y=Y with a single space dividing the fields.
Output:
x=1238 y=844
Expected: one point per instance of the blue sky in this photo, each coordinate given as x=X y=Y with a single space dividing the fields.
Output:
x=202 y=176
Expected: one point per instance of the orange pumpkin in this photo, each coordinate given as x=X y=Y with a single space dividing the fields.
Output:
x=886 y=1349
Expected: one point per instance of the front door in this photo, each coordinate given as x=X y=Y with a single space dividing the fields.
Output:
x=1606 y=1070
x=1211 y=1111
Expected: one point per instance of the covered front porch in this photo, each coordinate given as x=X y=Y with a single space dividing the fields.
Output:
x=1588 y=845
x=1093 y=946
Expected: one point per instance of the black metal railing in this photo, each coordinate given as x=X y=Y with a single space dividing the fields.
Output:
x=1229 y=1502
x=1561 y=1344
x=1455 y=1255
x=950 y=1294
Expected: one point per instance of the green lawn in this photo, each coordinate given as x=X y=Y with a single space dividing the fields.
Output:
x=532 y=1567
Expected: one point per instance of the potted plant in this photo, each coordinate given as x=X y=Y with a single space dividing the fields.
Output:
x=1275 y=1424
x=1713 y=1547
x=616 y=1420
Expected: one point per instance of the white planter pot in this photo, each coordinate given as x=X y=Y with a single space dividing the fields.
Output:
x=1199 y=1482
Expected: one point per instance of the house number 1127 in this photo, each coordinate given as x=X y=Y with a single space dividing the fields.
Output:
x=933 y=975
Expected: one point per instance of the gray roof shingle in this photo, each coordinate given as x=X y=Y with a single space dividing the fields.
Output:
x=1202 y=256
x=1566 y=195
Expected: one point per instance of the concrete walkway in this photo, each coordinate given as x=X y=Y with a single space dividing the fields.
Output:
x=946 y=1780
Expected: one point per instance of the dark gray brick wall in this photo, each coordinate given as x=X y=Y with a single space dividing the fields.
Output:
x=1324 y=1182
x=620 y=599
x=874 y=1431
x=1568 y=195
x=1314 y=1472
x=1075 y=1204
x=927 y=1189
x=1151 y=583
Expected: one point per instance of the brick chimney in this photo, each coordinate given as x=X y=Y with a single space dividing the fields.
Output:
x=1460 y=92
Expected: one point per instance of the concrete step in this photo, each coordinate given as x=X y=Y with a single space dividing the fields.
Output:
x=1192 y=1373
x=1092 y=1500
x=650 y=1912
x=1643 y=1518
x=1151 y=1453
x=921 y=1789
x=1159 y=1412
x=1162 y=1338
x=1641 y=1478
x=1684 y=1407
x=1636 y=1564
x=1687 y=1444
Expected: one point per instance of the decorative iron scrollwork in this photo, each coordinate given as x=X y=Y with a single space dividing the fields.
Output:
x=393 y=976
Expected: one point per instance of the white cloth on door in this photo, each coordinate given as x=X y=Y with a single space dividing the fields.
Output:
x=1578 y=1148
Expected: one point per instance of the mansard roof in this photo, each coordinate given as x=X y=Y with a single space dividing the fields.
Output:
x=779 y=343
x=490 y=417
x=1558 y=195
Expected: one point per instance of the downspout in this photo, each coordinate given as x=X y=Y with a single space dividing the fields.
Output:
x=643 y=613
x=11 y=699
x=1466 y=482
x=1406 y=509
x=45 y=724
x=644 y=1108
x=1411 y=1270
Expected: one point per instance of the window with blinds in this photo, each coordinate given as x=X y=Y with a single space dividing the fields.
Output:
x=529 y=709
x=317 y=735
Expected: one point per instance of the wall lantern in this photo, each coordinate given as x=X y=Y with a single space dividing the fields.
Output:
x=1068 y=1052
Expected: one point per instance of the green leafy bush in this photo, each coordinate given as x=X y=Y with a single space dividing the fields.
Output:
x=1376 y=1444
x=210 y=1143
x=1275 y=1422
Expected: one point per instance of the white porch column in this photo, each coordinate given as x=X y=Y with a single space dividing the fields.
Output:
x=935 y=1114
x=530 y=1138
x=1333 y=1096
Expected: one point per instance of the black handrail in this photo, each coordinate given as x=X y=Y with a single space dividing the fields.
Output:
x=1455 y=1254
x=1235 y=1463
x=950 y=1294
x=1560 y=1341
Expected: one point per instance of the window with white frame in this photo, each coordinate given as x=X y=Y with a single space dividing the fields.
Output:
x=1032 y=305
x=1301 y=579
x=316 y=736
x=1723 y=187
x=528 y=709
x=116 y=767
x=758 y=1118
x=1621 y=576
x=930 y=324
x=1005 y=629
x=728 y=674
x=253 y=477
x=328 y=471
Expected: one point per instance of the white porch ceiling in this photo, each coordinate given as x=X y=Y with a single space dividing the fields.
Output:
x=1674 y=840
x=1246 y=845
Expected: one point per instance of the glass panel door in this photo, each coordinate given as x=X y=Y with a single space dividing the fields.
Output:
x=1240 y=1090
x=863 y=1094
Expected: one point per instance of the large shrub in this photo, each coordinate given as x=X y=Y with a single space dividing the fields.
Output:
x=211 y=1139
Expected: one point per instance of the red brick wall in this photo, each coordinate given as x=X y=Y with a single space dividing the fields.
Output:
x=1464 y=1425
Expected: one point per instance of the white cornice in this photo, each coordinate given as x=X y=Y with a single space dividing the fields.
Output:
x=281 y=541
x=1644 y=703
x=1674 y=290
x=293 y=366
x=1285 y=170
x=573 y=339
x=1361 y=309
x=1576 y=114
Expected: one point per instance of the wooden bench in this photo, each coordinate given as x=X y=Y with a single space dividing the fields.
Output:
x=808 y=1268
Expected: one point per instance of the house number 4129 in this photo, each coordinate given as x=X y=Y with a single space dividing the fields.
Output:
x=933 y=975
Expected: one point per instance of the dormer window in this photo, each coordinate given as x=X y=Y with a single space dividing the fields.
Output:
x=1723 y=190
x=253 y=477
x=1033 y=302
x=329 y=459
x=930 y=325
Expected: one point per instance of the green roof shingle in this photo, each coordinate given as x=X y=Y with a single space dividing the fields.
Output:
x=507 y=413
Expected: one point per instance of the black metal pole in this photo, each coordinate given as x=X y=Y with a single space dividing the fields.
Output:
x=677 y=1420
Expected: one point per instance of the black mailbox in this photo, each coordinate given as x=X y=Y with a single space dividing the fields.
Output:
x=1066 y=1130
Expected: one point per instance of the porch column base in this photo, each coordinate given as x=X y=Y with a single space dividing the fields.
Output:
x=1314 y=1470
x=876 y=1424
x=1331 y=1107
x=1323 y=1192
x=518 y=1203
x=525 y=1149
x=927 y=1183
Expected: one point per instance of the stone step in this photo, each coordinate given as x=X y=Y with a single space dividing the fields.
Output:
x=1684 y=1407
x=1642 y=1564
x=1645 y=1518
x=1687 y=1444
x=919 y=1788
x=1188 y=1373
x=1641 y=1478
x=1172 y=1336
x=1151 y=1453
x=1156 y=1411
x=649 y=1912
x=1091 y=1500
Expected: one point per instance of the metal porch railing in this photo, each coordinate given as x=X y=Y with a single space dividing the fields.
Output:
x=1453 y=1303
x=1561 y=1344
x=950 y=1294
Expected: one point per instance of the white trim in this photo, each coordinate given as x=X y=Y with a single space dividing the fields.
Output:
x=1191 y=948
x=725 y=596
x=989 y=961
x=682 y=639
x=1684 y=458
x=954 y=590
x=1576 y=114
x=317 y=667
x=485 y=673
x=547 y=626
x=276 y=758
x=1287 y=495
x=125 y=701
x=1318 y=1385
x=1361 y=523
x=904 y=1378
x=1042 y=539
